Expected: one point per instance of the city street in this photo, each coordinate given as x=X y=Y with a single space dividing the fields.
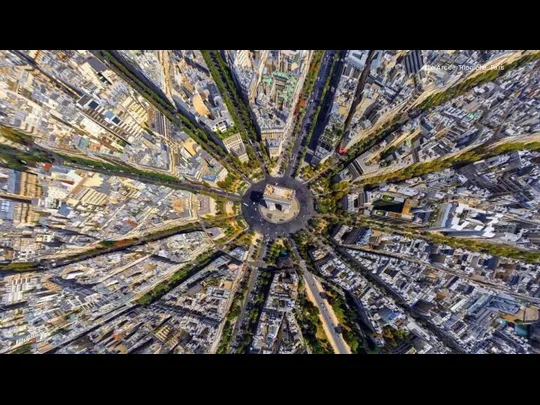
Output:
x=311 y=107
x=326 y=314
x=240 y=320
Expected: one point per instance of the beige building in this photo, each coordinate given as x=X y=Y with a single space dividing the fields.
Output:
x=235 y=145
x=25 y=215
x=206 y=205
x=29 y=185
x=272 y=133
x=93 y=197
x=243 y=59
x=274 y=147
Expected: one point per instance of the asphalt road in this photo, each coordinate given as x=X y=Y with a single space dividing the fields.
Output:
x=253 y=197
x=193 y=187
x=359 y=89
x=312 y=103
x=329 y=319
x=56 y=155
x=240 y=319
x=245 y=123
x=329 y=96
x=329 y=322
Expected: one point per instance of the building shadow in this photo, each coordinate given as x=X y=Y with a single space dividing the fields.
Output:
x=257 y=197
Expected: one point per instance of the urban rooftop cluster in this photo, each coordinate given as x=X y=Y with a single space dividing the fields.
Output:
x=270 y=201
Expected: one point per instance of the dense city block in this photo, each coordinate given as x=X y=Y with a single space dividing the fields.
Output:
x=270 y=201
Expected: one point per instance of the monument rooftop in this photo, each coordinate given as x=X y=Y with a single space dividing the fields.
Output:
x=279 y=193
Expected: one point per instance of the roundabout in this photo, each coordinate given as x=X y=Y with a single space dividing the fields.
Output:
x=273 y=222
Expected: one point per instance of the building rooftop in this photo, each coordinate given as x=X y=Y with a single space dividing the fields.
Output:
x=278 y=193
